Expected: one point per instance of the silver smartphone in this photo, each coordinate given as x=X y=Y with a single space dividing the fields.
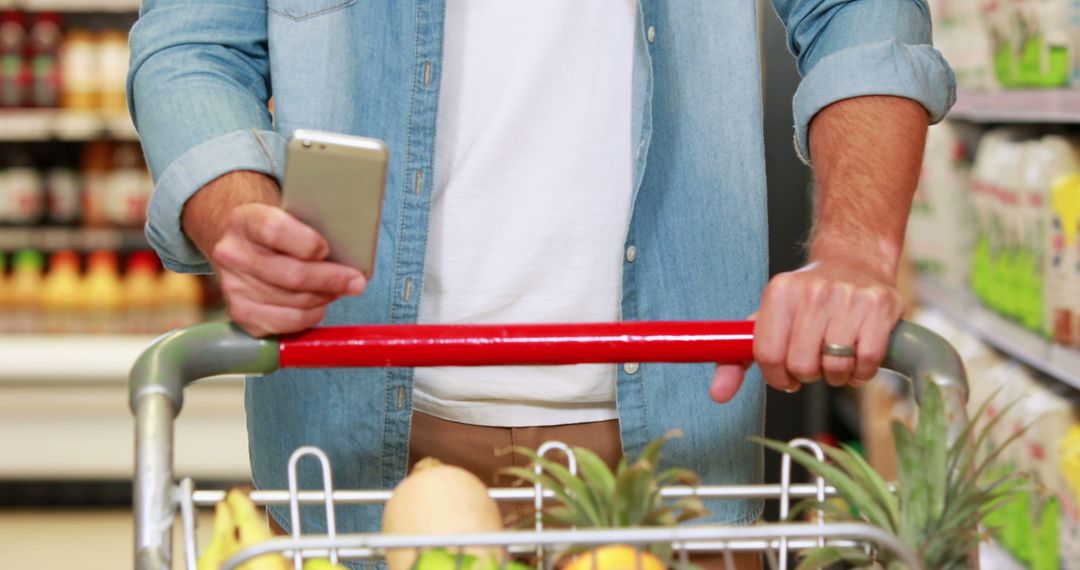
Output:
x=335 y=184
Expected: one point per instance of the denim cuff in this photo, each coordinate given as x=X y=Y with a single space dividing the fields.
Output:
x=916 y=72
x=256 y=150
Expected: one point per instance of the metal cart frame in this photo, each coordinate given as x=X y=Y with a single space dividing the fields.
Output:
x=181 y=357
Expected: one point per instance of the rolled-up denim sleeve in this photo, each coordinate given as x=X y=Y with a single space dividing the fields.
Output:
x=851 y=48
x=198 y=88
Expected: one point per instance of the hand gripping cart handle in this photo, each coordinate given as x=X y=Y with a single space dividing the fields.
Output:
x=178 y=358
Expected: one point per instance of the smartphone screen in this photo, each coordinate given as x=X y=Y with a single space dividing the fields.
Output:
x=335 y=184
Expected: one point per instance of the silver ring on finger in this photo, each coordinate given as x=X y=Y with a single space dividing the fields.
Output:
x=840 y=350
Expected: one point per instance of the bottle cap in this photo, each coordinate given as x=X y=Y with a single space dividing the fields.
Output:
x=64 y=258
x=28 y=260
x=143 y=261
x=102 y=260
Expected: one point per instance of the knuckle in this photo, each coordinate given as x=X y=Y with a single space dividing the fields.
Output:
x=768 y=356
x=837 y=365
x=293 y=276
x=803 y=369
x=817 y=290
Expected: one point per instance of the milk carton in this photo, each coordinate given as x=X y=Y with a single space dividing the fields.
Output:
x=1063 y=270
x=1049 y=158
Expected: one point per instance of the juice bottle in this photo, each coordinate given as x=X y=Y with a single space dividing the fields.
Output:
x=44 y=60
x=113 y=56
x=80 y=86
x=181 y=300
x=5 y=304
x=61 y=294
x=141 y=294
x=14 y=72
x=97 y=159
x=104 y=294
x=126 y=194
x=24 y=288
x=1063 y=271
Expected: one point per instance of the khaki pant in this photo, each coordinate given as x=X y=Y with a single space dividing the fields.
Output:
x=473 y=448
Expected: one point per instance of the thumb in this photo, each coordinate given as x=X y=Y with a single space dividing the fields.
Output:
x=726 y=382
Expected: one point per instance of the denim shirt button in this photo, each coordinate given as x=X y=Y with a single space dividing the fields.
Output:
x=650 y=34
x=631 y=254
x=630 y=367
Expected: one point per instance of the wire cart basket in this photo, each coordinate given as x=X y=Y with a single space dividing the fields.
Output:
x=183 y=356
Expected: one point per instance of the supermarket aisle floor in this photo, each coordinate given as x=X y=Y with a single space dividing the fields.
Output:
x=82 y=539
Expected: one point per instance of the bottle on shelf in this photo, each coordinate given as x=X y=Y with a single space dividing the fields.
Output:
x=14 y=71
x=126 y=192
x=113 y=54
x=62 y=300
x=104 y=294
x=181 y=300
x=96 y=162
x=141 y=294
x=80 y=86
x=24 y=288
x=44 y=40
x=63 y=189
x=22 y=194
x=5 y=303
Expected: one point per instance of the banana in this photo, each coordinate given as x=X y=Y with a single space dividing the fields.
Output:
x=223 y=544
x=321 y=564
x=251 y=530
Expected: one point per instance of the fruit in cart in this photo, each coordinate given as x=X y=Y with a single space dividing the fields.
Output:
x=942 y=495
x=238 y=524
x=596 y=497
x=251 y=529
x=443 y=559
x=321 y=564
x=223 y=543
x=439 y=499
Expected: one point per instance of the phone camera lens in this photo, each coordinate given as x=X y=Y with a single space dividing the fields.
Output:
x=307 y=144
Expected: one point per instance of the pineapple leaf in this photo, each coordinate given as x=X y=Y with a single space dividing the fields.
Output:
x=635 y=492
x=677 y=476
x=573 y=485
x=967 y=454
x=599 y=480
x=852 y=490
x=544 y=482
x=914 y=497
x=652 y=451
x=829 y=555
x=833 y=512
x=858 y=468
x=932 y=441
x=689 y=508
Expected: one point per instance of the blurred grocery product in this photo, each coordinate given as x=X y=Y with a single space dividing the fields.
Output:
x=14 y=71
x=1063 y=264
x=44 y=52
x=104 y=294
x=63 y=194
x=181 y=300
x=62 y=296
x=79 y=61
x=24 y=285
x=97 y=157
x=127 y=187
x=141 y=295
x=22 y=193
x=113 y=58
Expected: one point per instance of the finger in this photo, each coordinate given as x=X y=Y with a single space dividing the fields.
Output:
x=278 y=230
x=771 y=332
x=292 y=274
x=843 y=328
x=241 y=284
x=885 y=309
x=726 y=382
x=808 y=330
x=261 y=319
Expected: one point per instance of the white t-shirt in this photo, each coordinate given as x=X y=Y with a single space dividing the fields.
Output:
x=532 y=192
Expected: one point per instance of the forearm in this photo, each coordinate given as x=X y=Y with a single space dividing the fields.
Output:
x=206 y=214
x=867 y=155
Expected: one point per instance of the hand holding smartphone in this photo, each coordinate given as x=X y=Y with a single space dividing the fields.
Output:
x=335 y=184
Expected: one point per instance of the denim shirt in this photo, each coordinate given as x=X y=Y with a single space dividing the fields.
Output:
x=202 y=72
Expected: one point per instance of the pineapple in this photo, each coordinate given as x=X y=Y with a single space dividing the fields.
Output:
x=942 y=495
x=598 y=498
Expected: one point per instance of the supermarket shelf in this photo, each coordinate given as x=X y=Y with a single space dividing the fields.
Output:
x=1021 y=106
x=27 y=125
x=845 y=405
x=117 y=6
x=80 y=239
x=34 y=359
x=1055 y=360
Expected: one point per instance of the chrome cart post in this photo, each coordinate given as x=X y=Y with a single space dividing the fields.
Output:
x=156 y=395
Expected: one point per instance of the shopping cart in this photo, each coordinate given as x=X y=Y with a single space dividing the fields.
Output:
x=181 y=357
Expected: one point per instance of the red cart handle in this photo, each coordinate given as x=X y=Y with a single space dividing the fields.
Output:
x=488 y=345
